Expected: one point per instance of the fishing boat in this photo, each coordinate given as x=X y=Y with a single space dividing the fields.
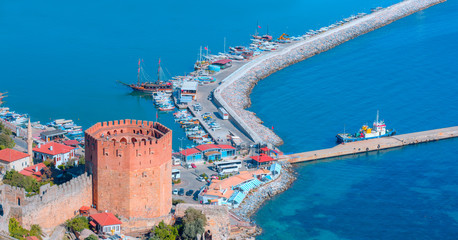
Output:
x=377 y=131
x=144 y=84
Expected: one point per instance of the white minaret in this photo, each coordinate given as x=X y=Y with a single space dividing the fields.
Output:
x=30 y=143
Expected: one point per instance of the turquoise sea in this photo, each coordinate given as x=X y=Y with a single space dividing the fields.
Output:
x=62 y=59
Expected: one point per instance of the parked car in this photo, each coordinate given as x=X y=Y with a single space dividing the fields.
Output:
x=201 y=179
x=181 y=192
x=175 y=191
x=193 y=165
x=189 y=192
x=215 y=177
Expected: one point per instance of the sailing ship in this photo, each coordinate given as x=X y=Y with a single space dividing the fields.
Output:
x=378 y=130
x=145 y=85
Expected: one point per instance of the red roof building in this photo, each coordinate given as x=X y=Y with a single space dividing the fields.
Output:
x=36 y=171
x=105 y=223
x=55 y=152
x=189 y=152
x=207 y=147
x=262 y=158
x=225 y=146
x=71 y=143
x=11 y=159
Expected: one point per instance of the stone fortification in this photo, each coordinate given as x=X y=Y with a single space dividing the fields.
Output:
x=50 y=208
x=131 y=166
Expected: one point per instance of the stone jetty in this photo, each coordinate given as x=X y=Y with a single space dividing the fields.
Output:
x=255 y=199
x=233 y=93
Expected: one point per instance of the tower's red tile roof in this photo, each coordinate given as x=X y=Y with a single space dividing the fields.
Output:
x=105 y=219
x=11 y=155
x=57 y=148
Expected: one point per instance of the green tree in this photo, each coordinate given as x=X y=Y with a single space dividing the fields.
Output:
x=16 y=179
x=164 y=232
x=17 y=231
x=92 y=237
x=194 y=222
x=82 y=160
x=78 y=224
x=35 y=230
x=6 y=141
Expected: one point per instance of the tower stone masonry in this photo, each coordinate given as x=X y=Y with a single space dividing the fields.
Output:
x=131 y=166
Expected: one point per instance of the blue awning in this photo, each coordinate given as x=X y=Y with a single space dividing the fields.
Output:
x=246 y=187
x=186 y=99
x=275 y=168
x=237 y=197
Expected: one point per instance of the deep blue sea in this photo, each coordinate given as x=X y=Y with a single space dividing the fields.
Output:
x=61 y=59
x=407 y=70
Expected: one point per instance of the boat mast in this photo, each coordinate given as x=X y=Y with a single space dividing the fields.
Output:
x=159 y=71
x=257 y=26
x=377 y=118
x=138 y=73
x=224 y=46
x=200 y=58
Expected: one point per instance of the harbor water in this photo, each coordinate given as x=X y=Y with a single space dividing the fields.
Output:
x=62 y=60
x=407 y=71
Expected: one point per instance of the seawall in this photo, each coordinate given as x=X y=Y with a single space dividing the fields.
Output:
x=233 y=93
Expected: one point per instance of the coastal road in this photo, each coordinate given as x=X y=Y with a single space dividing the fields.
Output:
x=227 y=126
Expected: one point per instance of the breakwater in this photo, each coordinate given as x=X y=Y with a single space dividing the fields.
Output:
x=373 y=145
x=233 y=94
x=255 y=199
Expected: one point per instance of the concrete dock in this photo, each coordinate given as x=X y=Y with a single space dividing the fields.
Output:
x=373 y=145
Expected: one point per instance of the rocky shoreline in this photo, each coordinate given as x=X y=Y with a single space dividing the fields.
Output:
x=234 y=93
x=257 y=198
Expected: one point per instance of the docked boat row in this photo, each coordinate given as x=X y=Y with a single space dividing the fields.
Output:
x=192 y=127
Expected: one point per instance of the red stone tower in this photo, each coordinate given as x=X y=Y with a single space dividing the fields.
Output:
x=131 y=165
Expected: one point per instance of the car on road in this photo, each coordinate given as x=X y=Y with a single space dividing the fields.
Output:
x=189 y=192
x=175 y=191
x=181 y=192
x=193 y=165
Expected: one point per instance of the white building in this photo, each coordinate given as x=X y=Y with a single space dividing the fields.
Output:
x=57 y=153
x=11 y=159
x=105 y=223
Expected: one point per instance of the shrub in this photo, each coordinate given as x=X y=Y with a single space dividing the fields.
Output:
x=78 y=224
x=194 y=222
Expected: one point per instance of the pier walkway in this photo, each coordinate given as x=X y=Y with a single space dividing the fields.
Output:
x=373 y=145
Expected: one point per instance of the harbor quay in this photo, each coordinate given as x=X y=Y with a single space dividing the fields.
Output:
x=375 y=144
x=233 y=93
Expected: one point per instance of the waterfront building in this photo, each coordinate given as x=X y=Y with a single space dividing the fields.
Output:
x=58 y=153
x=262 y=159
x=105 y=223
x=11 y=159
x=36 y=171
x=191 y=155
x=131 y=167
x=207 y=152
x=270 y=152
x=52 y=135
x=227 y=151
x=210 y=152
x=188 y=92
x=223 y=63
x=232 y=190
